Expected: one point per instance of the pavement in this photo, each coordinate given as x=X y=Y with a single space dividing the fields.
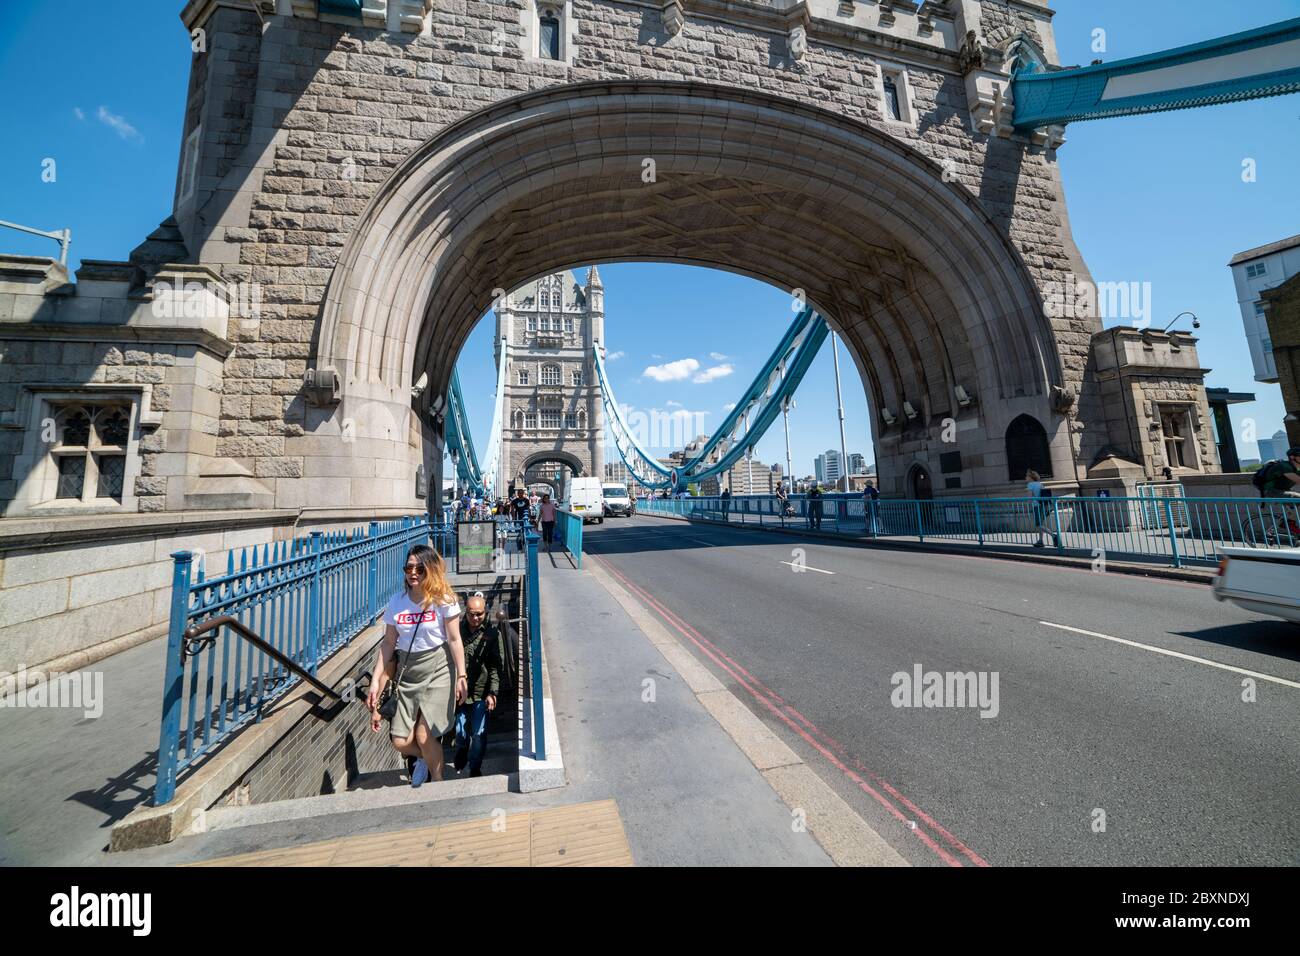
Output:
x=1138 y=721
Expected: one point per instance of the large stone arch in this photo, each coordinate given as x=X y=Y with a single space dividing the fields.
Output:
x=934 y=303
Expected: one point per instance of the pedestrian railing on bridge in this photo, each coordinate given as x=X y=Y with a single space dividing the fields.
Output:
x=568 y=531
x=1177 y=531
x=305 y=598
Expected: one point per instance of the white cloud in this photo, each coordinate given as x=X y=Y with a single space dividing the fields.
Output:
x=714 y=373
x=729 y=406
x=655 y=355
x=614 y=356
x=718 y=356
x=671 y=404
x=119 y=125
x=672 y=371
x=76 y=111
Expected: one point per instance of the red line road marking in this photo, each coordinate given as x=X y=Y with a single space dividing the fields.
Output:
x=736 y=670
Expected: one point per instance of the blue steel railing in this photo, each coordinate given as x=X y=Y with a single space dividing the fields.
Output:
x=568 y=531
x=1178 y=531
x=532 y=592
x=307 y=598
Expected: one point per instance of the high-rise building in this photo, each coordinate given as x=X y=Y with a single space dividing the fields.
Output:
x=1271 y=449
x=829 y=466
x=857 y=463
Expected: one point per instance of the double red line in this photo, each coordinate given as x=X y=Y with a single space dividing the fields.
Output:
x=920 y=822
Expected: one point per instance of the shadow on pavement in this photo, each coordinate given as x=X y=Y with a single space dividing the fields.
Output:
x=121 y=794
x=1280 y=639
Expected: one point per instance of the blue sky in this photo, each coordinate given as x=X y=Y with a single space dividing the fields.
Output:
x=1155 y=198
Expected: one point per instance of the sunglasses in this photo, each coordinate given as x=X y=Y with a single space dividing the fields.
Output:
x=416 y=568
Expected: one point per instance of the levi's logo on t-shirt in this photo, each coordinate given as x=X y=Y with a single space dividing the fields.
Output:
x=413 y=617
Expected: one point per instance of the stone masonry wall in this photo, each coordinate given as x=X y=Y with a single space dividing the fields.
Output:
x=354 y=102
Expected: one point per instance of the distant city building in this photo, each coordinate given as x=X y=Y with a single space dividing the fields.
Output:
x=829 y=466
x=1253 y=271
x=857 y=463
x=1270 y=449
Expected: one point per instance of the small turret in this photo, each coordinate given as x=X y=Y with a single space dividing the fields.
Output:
x=595 y=291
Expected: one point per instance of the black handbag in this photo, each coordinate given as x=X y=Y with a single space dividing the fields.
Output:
x=387 y=708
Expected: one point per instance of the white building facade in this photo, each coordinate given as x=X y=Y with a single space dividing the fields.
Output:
x=1253 y=271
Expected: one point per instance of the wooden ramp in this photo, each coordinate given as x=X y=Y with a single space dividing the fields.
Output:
x=585 y=834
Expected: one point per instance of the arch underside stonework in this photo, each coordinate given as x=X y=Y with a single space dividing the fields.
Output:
x=935 y=305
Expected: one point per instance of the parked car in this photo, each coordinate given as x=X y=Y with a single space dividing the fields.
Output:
x=587 y=499
x=618 y=501
x=1264 y=580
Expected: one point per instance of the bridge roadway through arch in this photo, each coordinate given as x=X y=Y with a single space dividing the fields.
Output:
x=1081 y=722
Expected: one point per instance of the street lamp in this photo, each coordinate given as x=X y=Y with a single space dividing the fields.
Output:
x=1196 y=323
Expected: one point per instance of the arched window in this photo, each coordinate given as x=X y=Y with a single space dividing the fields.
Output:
x=1027 y=449
x=548 y=33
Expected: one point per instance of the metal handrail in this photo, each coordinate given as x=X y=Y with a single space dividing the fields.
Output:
x=196 y=642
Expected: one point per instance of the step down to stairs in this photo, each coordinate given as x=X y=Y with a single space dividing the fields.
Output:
x=396 y=794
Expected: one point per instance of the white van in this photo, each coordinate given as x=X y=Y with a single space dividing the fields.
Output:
x=617 y=501
x=586 y=499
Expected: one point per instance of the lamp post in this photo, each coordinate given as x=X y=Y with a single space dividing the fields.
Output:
x=839 y=401
x=787 y=403
x=1196 y=323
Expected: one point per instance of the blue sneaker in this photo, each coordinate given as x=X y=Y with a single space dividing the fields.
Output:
x=421 y=772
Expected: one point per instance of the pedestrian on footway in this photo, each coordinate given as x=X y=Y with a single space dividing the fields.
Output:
x=1038 y=494
x=815 y=507
x=421 y=655
x=546 y=519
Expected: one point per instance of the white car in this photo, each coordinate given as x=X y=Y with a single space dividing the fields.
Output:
x=1264 y=580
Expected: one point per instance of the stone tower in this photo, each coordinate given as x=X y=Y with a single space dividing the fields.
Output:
x=552 y=411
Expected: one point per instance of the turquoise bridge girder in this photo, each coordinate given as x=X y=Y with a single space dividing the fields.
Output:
x=480 y=479
x=756 y=409
x=1243 y=66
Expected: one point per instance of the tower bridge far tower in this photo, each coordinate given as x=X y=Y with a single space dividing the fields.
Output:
x=553 y=415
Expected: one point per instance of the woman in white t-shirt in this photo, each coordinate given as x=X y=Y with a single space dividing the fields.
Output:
x=422 y=640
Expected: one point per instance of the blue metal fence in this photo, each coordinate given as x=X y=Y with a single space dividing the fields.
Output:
x=534 y=618
x=307 y=598
x=1176 y=531
x=568 y=531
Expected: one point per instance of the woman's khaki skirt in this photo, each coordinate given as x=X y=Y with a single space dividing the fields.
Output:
x=425 y=688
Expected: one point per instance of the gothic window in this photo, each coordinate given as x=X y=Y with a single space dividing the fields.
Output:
x=891 y=100
x=1027 y=449
x=523 y=376
x=550 y=418
x=519 y=418
x=550 y=375
x=577 y=377
x=532 y=324
x=570 y=420
x=530 y=420
x=549 y=20
x=1179 y=441
x=544 y=300
x=90 y=449
x=568 y=325
x=895 y=94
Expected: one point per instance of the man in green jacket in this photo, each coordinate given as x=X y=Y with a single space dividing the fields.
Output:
x=484 y=656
